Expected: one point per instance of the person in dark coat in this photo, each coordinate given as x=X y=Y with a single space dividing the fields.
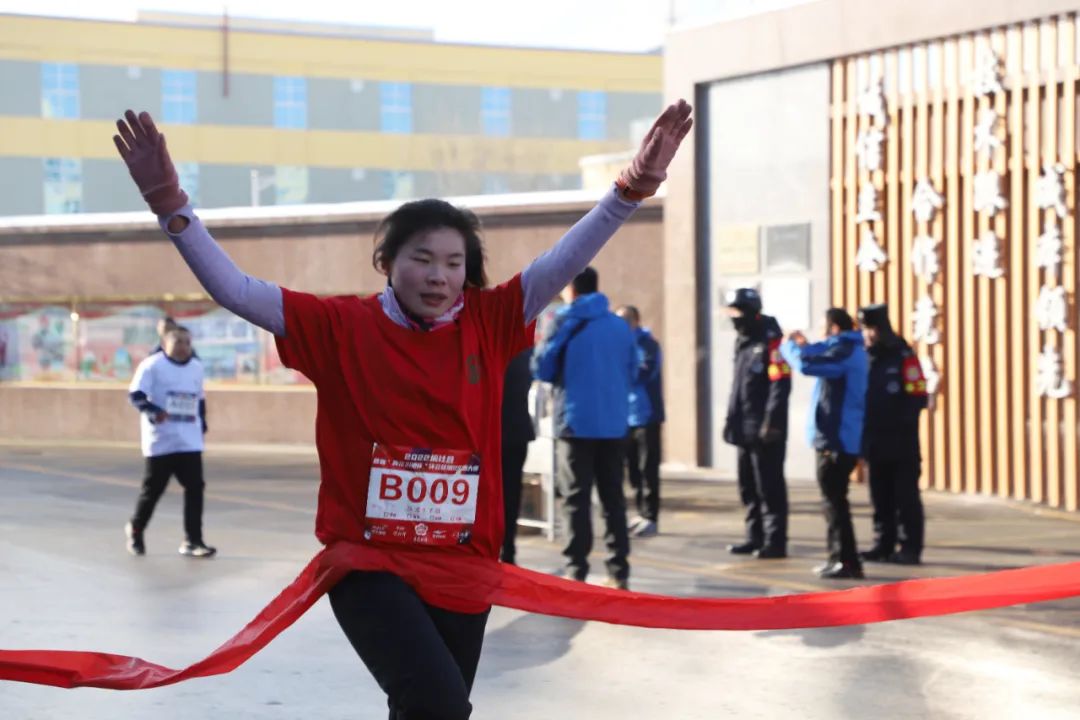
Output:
x=895 y=396
x=757 y=422
x=517 y=433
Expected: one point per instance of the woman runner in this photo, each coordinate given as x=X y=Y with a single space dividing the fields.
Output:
x=409 y=386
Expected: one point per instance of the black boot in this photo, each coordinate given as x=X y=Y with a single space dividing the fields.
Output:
x=840 y=571
x=770 y=553
x=746 y=548
x=875 y=555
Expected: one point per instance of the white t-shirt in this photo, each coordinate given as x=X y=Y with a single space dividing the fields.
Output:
x=177 y=389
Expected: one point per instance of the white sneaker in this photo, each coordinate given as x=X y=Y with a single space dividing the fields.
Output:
x=645 y=529
x=135 y=544
x=636 y=523
x=199 y=550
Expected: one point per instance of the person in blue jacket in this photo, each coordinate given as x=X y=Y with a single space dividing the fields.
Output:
x=835 y=427
x=646 y=416
x=589 y=356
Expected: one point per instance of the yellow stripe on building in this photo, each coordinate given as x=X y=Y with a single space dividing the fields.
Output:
x=36 y=137
x=141 y=44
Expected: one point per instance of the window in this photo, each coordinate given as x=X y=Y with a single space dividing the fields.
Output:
x=290 y=102
x=398 y=185
x=395 y=105
x=495 y=111
x=495 y=184
x=592 y=115
x=291 y=184
x=189 y=180
x=59 y=90
x=178 y=96
x=63 y=185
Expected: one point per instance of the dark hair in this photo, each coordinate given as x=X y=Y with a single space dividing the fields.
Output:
x=400 y=226
x=586 y=281
x=632 y=312
x=177 y=329
x=840 y=318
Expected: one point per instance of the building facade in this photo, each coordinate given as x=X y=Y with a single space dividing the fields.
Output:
x=917 y=153
x=263 y=112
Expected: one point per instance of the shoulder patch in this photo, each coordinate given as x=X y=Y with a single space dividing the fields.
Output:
x=914 y=380
x=778 y=367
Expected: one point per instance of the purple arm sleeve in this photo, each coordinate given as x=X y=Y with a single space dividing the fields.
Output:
x=551 y=272
x=257 y=301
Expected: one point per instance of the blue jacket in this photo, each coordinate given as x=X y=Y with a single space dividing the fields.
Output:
x=646 y=390
x=589 y=356
x=840 y=365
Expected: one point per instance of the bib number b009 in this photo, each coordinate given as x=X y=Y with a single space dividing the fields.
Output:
x=422 y=496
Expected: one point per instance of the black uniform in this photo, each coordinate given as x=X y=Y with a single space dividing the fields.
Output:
x=895 y=395
x=757 y=420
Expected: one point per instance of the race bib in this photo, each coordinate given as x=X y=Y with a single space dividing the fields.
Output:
x=181 y=406
x=422 y=496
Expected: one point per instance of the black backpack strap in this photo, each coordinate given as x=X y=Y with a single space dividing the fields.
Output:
x=562 y=351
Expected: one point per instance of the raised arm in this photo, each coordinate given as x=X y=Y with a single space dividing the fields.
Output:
x=144 y=151
x=553 y=270
x=816 y=359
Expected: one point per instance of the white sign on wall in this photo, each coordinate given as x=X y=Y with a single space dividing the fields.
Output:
x=788 y=300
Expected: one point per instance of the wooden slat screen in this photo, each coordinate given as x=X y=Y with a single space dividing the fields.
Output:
x=993 y=427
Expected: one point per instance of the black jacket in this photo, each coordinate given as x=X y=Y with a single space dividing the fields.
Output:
x=895 y=395
x=517 y=425
x=760 y=387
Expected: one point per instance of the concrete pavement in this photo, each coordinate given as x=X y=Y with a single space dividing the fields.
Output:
x=66 y=582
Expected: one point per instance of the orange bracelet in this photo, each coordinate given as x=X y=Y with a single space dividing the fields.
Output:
x=628 y=192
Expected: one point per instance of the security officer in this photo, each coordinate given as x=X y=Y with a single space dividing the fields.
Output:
x=757 y=424
x=895 y=395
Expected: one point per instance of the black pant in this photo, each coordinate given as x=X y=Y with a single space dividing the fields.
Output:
x=581 y=462
x=898 y=510
x=643 y=461
x=834 y=476
x=187 y=467
x=513 y=463
x=763 y=492
x=423 y=657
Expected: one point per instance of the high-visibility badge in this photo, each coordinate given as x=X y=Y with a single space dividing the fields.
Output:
x=778 y=367
x=779 y=371
x=914 y=380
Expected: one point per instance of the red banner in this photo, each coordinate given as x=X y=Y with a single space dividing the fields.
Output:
x=462 y=581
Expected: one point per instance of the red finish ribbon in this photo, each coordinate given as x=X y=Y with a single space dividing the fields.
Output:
x=464 y=582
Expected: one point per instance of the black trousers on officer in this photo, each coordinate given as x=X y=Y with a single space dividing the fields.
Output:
x=513 y=465
x=643 y=464
x=763 y=492
x=898 y=509
x=834 y=477
x=423 y=657
x=187 y=467
x=580 y=463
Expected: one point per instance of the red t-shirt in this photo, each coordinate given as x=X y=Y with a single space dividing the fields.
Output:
x=384 y=386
